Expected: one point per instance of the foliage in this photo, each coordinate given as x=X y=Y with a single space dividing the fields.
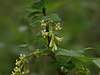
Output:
x=50 y=25
x=80 y=29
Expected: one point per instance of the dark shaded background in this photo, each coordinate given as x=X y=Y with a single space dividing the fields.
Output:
x=81 y=28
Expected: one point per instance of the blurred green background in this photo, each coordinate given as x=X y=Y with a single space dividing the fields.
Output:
x=80 y=21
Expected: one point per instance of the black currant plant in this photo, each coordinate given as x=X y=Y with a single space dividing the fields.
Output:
x=66 y=61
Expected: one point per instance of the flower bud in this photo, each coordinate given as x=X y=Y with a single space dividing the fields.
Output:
x=58 y=38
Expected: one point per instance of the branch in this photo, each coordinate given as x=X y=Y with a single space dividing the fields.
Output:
x=51 y=54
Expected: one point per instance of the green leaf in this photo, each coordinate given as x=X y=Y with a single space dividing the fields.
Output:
x=97 y=62
x=52 y=17
x=38 y=4
x=85 y=49
x=74 y=54
x=30 y=9
x=71 y=53
x=36 y=18
x=70 y=65
x=34 y=13
x=84 y=59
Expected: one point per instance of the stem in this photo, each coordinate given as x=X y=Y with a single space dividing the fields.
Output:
x=51 y=54
x=47 y=27
x=44 y=11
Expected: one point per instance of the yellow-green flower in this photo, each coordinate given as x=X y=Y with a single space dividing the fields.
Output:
x=36 y=53
x=58 y=27
x=58 y=38
x=44 y=33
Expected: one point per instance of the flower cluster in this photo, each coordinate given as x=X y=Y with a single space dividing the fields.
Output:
x=53 y=45
x=58 y=27
x=19 y=65
x=53 y=26
x=36 y=53
x=22 y=59
x=63 y=69
x=82 y=70
x=43 y=25
x=44 y=33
